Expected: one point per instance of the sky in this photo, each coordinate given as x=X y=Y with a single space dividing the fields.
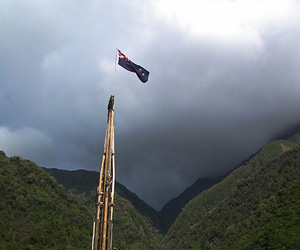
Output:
x=224 y=81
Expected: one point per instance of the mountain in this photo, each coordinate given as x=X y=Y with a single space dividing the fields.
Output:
x=83 y=183
x=136 y=224
x=172 y=209
x=37 y=212
x=255 y=207
x=132 y=231
x=143 y=208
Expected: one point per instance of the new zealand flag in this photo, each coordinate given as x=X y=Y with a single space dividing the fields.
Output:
x=141 y=73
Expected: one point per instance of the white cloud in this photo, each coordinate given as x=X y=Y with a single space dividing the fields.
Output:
x=240 y=20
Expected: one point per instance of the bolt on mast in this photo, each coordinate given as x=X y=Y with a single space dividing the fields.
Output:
x=102 y=230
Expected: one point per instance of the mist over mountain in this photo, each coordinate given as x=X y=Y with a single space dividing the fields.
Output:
x=251 y=208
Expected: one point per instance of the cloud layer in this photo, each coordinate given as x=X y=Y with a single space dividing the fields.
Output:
x=224 y=80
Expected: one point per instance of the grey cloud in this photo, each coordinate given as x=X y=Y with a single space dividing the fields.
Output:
x=208 y=105
x=29 y=143
x=206 y=114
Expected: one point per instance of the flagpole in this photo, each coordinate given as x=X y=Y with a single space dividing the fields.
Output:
x=115 y=76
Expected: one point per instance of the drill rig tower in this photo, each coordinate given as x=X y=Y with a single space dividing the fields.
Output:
x=102 y=230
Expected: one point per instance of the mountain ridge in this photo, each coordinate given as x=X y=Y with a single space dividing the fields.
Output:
x=180 y=236
x=83 y=182
x=172 y=208
x=255 y=206
x=39 y=213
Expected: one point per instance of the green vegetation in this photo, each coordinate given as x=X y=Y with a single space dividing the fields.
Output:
x=37 y=212
x=277 y=224
x=132 y=231
x=172 y=209
x=150 y=215
x=136 y=225
x=256 y=207
x=83 y=184
x=219 y=217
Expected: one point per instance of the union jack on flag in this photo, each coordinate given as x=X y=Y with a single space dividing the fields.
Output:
x=122 y=56
x=124 y=62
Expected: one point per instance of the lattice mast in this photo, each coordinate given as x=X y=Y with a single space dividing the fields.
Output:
x=103 y=225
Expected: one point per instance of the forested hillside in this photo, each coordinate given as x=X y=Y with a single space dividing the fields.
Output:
x=37 y=212
x=83 y=183
x=257 y=206
x=172 y=209
x=250 y=209
x=136 y=224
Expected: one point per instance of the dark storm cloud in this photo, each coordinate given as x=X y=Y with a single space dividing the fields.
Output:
x=210 y=101
x=210 y=107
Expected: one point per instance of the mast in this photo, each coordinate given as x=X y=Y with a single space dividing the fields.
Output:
x=102 y=229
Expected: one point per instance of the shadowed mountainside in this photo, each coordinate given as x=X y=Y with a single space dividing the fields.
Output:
x=172 y=209
x=83 y=183
x=232 y=213
x=257 y=206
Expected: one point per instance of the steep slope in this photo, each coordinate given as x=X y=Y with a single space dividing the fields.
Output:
x=78 y=181
x=172 y=209
x=221 y=215
x=136 y=225
x=84 y=183
x=37 y=212
x=132 y=231
x=277 y=222
x=151 y=215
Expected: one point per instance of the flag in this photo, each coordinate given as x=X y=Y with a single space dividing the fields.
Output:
x=141 y=73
